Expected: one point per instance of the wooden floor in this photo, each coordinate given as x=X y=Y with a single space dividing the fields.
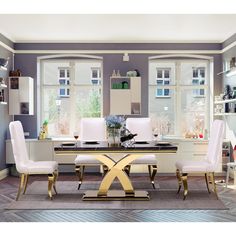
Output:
x=8 y=189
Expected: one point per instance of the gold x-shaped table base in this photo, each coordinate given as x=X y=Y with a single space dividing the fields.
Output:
x=116 y=169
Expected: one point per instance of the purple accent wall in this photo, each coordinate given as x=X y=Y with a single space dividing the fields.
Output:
x=118 y=46
x=27 y=63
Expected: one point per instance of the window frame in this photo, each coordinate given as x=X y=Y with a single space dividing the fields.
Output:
x=177 y=87
x=98 y=79
x=164 y=80
x=41 y=84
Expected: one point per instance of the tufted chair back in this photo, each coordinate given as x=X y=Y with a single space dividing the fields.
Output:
x=214 y=151
x=93 y=129
x=140 y=126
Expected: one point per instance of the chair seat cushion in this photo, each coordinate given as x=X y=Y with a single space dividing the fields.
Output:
x=145 y=160
x=86 y=160
x=194 y=166
x=41 y=167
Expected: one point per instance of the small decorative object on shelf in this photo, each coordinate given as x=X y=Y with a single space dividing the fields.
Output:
x=234 y=153
x=118 y=73
x=1 y=97
x=113 y=73
x=3 y=63
x=43 y=134
x=114 y=124
x=15 y=73
x=227 y=95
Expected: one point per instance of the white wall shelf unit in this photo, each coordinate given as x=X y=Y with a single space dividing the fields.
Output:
x=225 y=101
x=3 y=68
x=225 y=114
x=21 y=96
x=220 y=107
x=125 y=95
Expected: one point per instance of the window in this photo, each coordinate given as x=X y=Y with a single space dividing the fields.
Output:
x=185 y=84
x=198 y=79
x=96 y=76
x=163 y=78
x=67 y=94
x=64 y=81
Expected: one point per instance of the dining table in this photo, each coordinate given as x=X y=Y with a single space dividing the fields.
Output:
x=116 y=167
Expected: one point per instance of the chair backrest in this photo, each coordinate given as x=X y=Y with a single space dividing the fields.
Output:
x=18 y=145
x=214 y=151
x=140 y=126
x=92 y=129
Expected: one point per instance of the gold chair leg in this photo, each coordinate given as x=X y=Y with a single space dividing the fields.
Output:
x=21 y=184
x=185 y=184
x=127 y=169
x=152 y=169
x=50 y=184
x=55 y=175
x=213 y=183
x=207 y=182
x=26 y=183
x=179 y=180
x=80 y=173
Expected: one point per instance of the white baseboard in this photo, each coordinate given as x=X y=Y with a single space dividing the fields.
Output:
x=4 y=173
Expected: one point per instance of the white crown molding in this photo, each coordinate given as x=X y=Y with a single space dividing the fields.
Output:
x=233 y=44
x=117 y=51
x=4 y=173
x=119 y=41
x=225 y=49
x=7 y=47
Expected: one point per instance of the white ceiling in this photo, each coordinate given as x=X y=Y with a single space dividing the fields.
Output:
x=118 y=28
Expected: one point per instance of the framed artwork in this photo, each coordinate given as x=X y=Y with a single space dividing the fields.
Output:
x=24 y=108
x=14 y=83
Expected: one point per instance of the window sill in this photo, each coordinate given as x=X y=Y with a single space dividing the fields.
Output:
x=163 y=96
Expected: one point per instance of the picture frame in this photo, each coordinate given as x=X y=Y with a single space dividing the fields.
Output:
x=24 y=108
x=14 y=83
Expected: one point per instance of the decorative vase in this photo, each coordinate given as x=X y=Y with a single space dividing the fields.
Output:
x=113 y=137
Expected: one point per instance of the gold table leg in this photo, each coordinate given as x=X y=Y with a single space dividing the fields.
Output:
x=116 y=170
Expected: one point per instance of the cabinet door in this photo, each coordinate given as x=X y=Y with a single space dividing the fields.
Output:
x=120 y=103
x=135 y=89
x=41 y=151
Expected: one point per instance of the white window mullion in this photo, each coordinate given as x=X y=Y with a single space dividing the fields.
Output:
x=177 y=98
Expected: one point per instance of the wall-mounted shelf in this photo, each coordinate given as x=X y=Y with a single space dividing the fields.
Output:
x=3 y=86
x=225 y=101
x=21 y=96
x=125 y=95
x=3 y=68
x=225 y=114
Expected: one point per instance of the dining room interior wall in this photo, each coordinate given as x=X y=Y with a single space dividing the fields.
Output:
x=27 y=63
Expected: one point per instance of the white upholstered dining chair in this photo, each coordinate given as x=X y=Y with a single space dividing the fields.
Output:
x=26 y=167
x=208 y=166
x=91 y=129
x=143 y=128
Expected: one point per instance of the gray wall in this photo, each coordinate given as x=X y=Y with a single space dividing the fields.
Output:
x=4 y=117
